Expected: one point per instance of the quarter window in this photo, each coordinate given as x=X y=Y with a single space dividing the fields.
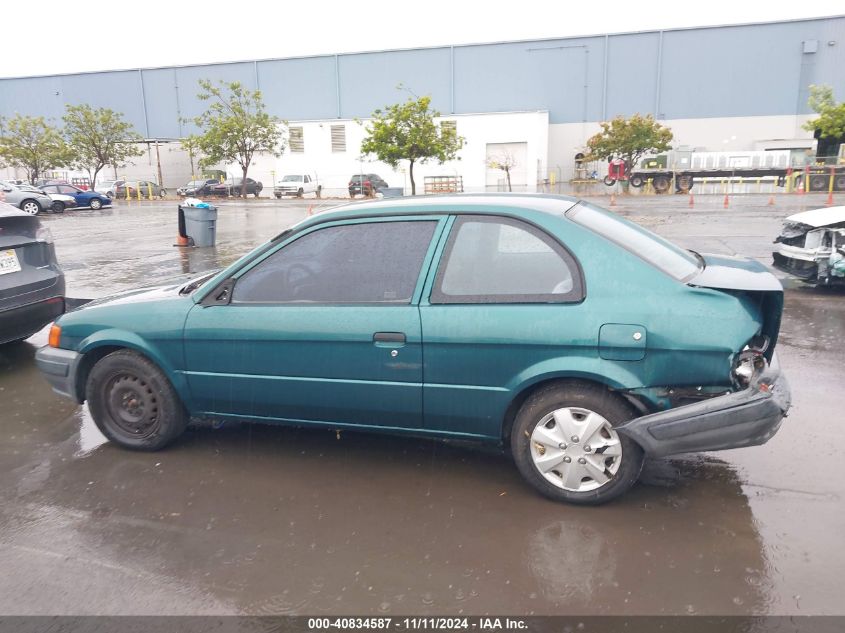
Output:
x=375 y=262
x=500 y=260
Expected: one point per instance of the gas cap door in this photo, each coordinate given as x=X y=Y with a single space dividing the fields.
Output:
x=622 y=341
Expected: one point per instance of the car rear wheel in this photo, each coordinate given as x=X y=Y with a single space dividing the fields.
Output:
x=133 y=403
x=96 y=204
x=162 y=193
x=31 y=207
x=565 y=444
x=58 y=206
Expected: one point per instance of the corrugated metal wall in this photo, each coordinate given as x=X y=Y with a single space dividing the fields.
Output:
x=748 y=70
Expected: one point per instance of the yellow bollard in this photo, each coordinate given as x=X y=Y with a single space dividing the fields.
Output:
x=703 y=185
x=149 y=191
x=138 y=192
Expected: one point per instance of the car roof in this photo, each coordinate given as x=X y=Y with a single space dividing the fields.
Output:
x=473 y=203
x=8 y=211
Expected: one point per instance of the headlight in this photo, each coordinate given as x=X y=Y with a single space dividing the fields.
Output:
x=43 y=234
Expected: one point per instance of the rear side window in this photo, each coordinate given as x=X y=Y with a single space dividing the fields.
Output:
x=501 y=260
x=376 y=262
x=660 y=253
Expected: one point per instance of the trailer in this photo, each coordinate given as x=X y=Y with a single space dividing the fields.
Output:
x=786 y=168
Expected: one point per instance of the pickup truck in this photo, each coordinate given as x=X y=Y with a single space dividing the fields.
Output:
x=297 y=185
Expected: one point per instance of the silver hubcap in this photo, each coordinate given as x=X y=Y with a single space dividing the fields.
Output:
x=31 y=208
x=576 y=449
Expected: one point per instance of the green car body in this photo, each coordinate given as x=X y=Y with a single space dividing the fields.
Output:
x=459 y=369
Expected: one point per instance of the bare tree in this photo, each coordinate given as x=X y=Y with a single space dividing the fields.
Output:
x=505 y=161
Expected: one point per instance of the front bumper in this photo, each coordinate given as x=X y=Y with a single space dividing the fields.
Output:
x=59 y=368
x=745 y=418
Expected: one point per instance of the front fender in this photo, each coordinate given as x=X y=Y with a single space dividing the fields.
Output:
x=113 y=337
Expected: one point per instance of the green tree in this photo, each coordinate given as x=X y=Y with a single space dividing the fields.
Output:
x=831 y=120
x=236 y=126
x=97 y=137
x=407 y=131
x=32 y=144
x=629 y=139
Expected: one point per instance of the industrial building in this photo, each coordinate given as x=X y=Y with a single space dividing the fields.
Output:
x=738 y=87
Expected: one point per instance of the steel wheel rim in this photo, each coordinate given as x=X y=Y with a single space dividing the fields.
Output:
x=132 y=405
x=95 y=204
x=32 y=208
x=576 y=449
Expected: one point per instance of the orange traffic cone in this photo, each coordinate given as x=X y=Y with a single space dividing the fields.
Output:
x=691 y=201
x=829 y=202
x=613 y=200
x=310 y=209
x=771 y=202
x=726 y=204
x=182 y=241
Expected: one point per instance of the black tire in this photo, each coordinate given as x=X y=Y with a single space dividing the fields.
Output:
x=58 y=206
x=162 y=193
x=133 y=403
x=95 y=204
x=636 y=181
x=608 y=181
x=300 y=193
x=661 y=184
x=839 y=183
x=576 y=395
x=30 y=206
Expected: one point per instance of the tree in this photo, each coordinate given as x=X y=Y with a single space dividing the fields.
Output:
x=406 y=131
x=191 y=145
x=97 y=137
x=236 y=126
x=504 y=161
x=831 y=120
x=629 y=139
x=32 y=144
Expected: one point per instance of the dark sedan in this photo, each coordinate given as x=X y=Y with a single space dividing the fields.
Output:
x=90 y=199
x=232 y=187
x=32 y=286
x=198 y=188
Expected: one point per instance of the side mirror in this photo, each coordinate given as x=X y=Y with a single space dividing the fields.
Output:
x=8 y=189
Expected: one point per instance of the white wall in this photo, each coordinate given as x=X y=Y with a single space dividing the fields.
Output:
x=334 y=169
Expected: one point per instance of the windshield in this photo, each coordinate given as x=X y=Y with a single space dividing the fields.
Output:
x=660 y=253
x=291 y=178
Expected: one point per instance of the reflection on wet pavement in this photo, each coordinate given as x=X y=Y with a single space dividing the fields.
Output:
x=268 y=520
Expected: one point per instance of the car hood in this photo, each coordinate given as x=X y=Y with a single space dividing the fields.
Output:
x=724 y=272
x=168 y=290
x=818 y=218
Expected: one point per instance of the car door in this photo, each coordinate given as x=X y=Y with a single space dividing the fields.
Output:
x=324 y=329
x=78 y=195
x=505 y=299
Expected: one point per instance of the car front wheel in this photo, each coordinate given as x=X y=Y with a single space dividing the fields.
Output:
x=133 y=403
x=565 y=444
x=96 y=204
x=58 y=206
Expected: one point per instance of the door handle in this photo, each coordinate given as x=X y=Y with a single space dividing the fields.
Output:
x=389 y=337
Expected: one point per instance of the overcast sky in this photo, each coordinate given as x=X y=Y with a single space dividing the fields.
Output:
x=53 y=36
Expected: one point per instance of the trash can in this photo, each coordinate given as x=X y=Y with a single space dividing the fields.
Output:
x=200 y=224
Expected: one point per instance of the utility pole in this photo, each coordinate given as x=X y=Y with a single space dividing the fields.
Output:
x=158 y=166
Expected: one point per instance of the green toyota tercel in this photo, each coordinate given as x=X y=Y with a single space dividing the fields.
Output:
x=580 y=340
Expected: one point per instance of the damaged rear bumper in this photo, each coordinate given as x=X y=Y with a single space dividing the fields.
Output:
x=746 y=418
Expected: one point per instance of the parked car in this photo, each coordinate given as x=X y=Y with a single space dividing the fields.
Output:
x=365 y=184
x=296 y=185
x=32 y=285
x=60 y=200
x=232 y=187
x=197 y=188
x=90 y=199
x=31 y=202
x=146 y=187
x=812 y=246
x=580 y=340
x=108 y=187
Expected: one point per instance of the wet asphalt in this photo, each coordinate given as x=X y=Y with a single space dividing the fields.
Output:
x=265 y=520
